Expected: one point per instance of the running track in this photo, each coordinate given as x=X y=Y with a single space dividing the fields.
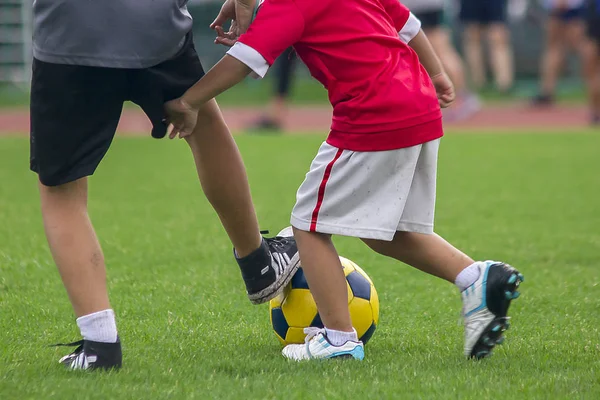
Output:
x=317 y=119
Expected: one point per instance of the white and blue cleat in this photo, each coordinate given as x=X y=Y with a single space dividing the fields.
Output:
x=318 y=347
x=485 y=307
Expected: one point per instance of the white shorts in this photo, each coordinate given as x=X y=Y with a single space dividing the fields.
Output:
x=369 y=195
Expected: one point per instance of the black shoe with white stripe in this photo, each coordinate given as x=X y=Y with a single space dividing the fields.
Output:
x=91 y=355
x=268 y=269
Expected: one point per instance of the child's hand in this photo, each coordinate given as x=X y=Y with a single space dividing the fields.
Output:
x=182 y=116
x=240 y=13
x=227 y=13
x=227 y=38
x=444 y=89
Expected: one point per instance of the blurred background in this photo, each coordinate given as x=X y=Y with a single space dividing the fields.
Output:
x=526 y=24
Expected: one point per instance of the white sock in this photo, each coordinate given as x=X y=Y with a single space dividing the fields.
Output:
x=99 y=326
x=468 y=276
x=338 y=338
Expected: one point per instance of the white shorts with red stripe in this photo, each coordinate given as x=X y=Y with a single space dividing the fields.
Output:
x=369 y=195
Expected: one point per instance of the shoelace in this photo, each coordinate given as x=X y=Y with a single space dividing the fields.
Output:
x=311 y=332
x=278 y=242
x=77 y=358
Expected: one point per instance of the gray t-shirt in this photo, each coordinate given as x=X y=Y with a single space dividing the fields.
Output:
x=109 y=33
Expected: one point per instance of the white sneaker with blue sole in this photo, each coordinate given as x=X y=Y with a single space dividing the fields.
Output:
x=318 y=347
x=485 y=307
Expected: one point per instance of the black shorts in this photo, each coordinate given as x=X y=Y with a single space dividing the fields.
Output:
x=593 y=28
x=570 y=14
x=75 y=109
x=431 y=19
x=483 y=12
x=593 y=21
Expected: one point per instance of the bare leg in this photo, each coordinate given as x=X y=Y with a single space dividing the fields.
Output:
x=501 y=56
x=593 y=68
x=428 y=253
x=441 y=42
x=474 y=54
x=324 y=274
x=223 y=178
x=588 y=53
x=276 y=113
x=595 y=96
x=277 y=110
x=553 y=56
x=74 y=245
x=586 y=48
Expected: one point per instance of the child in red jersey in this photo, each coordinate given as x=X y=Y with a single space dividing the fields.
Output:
x=375 y=176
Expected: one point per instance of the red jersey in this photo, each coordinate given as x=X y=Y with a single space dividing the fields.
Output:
x=382 y=97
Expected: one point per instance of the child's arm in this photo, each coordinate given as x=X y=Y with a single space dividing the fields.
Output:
x=409 y=30
x=225 y=74
x=427 y=56
x=434 y=67
x=183 y=112
x=277 y=26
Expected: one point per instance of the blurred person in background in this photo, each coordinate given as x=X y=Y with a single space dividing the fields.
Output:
x=593 y=30
x=487 y=17
x=274 y=117
x=565 y=30
x=432 y=16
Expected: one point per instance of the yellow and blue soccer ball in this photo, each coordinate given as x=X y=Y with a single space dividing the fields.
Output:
x=295 y=308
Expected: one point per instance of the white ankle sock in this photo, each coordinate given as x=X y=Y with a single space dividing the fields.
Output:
x=468 y=276
x=99 y=326
x=338 y=338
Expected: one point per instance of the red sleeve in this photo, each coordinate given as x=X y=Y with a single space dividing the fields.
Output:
x=278 y=25
x=397 y=11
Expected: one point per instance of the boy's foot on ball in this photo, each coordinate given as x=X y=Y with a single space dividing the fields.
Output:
x=268 y=269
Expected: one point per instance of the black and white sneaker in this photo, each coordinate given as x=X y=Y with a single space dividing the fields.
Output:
x=268 y=269
x=485 y=307
x=93 y=355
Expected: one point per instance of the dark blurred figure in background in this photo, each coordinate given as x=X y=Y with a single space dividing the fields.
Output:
x=274 y=117
x=593 y=30
x=487 y=17
x=565 y=30
x=431 y=13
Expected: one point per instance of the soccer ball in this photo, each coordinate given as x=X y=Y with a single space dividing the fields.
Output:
x=295 y=308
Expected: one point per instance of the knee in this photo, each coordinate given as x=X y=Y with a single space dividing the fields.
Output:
x=70 y=194
x=64 y=188
x=472 y=34
x=498 y=35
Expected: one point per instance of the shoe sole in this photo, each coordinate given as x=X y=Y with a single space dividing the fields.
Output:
x=272 y=291
x=358 y=353
x=493 y=334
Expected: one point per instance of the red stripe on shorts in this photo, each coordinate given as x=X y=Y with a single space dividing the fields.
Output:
x=315 y=214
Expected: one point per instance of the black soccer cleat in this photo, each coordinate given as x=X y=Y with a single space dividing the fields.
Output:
x=91 y=355
x=268 y=269
x=485 y=307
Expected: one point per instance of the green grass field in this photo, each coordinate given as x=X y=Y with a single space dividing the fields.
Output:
x=189 y=332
